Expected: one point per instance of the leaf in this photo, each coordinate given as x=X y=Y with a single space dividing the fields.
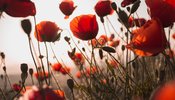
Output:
x=135 y=6
x=26 y=26
x=101 y=53
x=108 y=49
x=57 y=38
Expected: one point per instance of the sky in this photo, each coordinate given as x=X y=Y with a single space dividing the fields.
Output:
x=14 y=43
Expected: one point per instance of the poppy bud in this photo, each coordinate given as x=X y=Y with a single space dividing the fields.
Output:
x=26 y=26
x=70 y=84
x=114 y=6
x=4 y=68
x=24 y=68
x=31 y=71
x=2 y=55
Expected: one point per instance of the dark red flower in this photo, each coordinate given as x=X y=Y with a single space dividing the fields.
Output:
x=84 y=27
x=16 y=87
x=127 y=2
x=103 y=8
x=47 y=31
x=162 y=9
x=18 y=8
x=67 y=7
x=149 y=39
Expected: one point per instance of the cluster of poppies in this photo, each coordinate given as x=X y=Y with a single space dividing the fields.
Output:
x=59 y=68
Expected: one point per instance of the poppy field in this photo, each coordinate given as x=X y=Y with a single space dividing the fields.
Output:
x=131 y=60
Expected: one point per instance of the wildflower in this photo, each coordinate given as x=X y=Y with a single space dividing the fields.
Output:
x=78 y=59
x=44 y=93
x=102 y=40
x=18 y=8
x=46 y=31
x=114 y=43
x=78 y=74
x=127 y=2
x=149 y=39
x=16 y=87
x=91 y=70
x=65 y=70
x=162 y=8
x=173 y=36
x=103 y=8
x=67 y=7
x=84 y=27
x=56 y=66
x=165 y=92
x=41 y=76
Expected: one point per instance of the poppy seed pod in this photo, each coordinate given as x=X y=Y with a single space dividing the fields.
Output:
x=103 y=8
x=26 y=26
x=46 y=31
x=24 y=68
x=31 y=71
x=84 y=27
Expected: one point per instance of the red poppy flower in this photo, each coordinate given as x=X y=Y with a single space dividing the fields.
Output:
x=162 y=8
x=149 y=39
x=78 y=74
x=44 y=93
x=84 y=27
x=46 y=31
x=102 y=40
x=114 y=43
x=16 y=87
x=18 y=8
x=165 y=92
x=67 y=7
x=40 y=75
x=65 y=70
x=127 y=2
x=78 y=59
x=56 y=66
x=103 y=8
x=173 y=36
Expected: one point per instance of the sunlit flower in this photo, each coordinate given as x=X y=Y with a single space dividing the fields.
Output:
x=78 y=74
x=164 y=92
x=40 y=76
x=91 y=70
x=67 y=7
x=46 y=31
x=56 y=66
x=18 y=8
x=127 y=2
x=78 y=59
x=44 y=93
x=114 y=43
x=162 y=8
x=84 y=27
x=149 y=39
x=65 y=70
x=103 y=8
x=173 y=36
x=102 y=40
x=16 y=87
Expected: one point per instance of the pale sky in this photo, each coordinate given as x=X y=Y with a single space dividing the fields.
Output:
x=14 y=43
